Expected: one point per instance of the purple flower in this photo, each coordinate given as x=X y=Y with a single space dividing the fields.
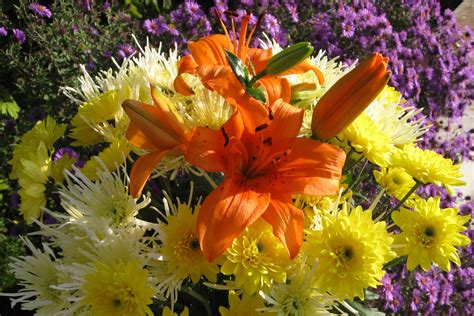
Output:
x=41 y=10
x=416 y=300
x=63 y=151
x=107 y=54
x=125 y=50
x=155 y=26
x=86 y=4
x=3 y=31
x=106 y=5
x=19 y=35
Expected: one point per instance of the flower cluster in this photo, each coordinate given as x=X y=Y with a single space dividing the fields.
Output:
x=274 y=142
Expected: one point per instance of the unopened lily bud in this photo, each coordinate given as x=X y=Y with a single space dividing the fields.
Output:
x=303 y=94
x=349 y=97
x=288 y=58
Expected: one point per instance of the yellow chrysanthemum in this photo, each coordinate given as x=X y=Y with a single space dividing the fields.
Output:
x=168 y=312
x=32 y=180
x=31 y=165
x=351 y=249
x=112 y=157
x=256 y=258
x=118 y=289
x=426 y=166
x=367 y=138
x=46 y=131
x=395 y=180
x=243 y=305
x=180 y=253
x=429 y=234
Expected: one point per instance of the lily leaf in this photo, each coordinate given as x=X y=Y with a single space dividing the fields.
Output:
x=238 y=67
x=256 y=93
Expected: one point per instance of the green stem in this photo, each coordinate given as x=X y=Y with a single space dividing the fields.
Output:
x=403 y=200
x=357 y=179
x=349 y=166
x=201 y=299
x=256 y=77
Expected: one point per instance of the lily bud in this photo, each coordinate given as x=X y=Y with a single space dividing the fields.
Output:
x=288 y=58
x=349 y=97
x=303 y=94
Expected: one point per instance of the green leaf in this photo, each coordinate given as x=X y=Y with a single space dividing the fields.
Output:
x=238 y=67
x=7 y=104
x=256 y=93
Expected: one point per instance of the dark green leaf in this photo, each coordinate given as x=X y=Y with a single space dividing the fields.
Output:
x=238 y=67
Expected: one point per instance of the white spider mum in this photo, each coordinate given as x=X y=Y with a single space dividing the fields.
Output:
x=105 y=198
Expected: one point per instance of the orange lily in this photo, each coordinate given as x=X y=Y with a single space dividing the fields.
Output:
x=349 y=96
x=263 y=167
x=208 y=61
x=156 y=128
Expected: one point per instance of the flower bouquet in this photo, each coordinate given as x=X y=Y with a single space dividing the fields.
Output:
x=223 y=181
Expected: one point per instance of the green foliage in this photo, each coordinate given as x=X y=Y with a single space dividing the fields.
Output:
x=8 y=105
x=9 y=247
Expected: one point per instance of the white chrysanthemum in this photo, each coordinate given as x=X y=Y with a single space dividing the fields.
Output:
x=106 y=198
x=298 y=296
x=40 y=275
x=395 y=121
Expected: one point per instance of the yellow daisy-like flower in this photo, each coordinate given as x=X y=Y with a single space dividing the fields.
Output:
x=351 y=249
x=46 y=131
x=243 y=305
x=395 y=180
x=168 y=312
x=180 y=253
x=367 y=138
x=426 y=166
x=112 y=157
x=118 y=289
x=430 y=234
x=256 y=258
x=31 y=165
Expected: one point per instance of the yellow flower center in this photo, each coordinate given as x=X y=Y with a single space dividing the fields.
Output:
x=252 y=253
x=188 y=248
x=426 y=236
x=292 y=305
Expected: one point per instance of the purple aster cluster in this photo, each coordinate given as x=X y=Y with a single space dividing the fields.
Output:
x=41 y=10
x=125 y=50
x=19 y=35
x=187 y=22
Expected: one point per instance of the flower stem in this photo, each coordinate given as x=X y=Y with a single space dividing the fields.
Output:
x=201 y=299
x=403 y=200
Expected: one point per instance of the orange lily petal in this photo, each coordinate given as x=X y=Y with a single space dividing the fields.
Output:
x=148 y=119
x=225 y=213
x=303 y=67
x=185 y=65
x=276 y=88
x=143 y=167
x=311 y=167
x=288 y=122
x=206 y=150
x=259 y=57
x=287 y=222
x=137 y=138
x=210 y=50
